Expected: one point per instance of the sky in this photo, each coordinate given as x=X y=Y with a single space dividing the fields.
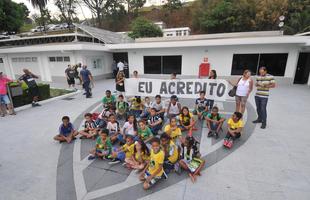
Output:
x=54 y=10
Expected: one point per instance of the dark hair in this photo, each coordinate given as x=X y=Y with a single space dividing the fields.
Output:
x=111 y=115
x=174 y=97
x=142 y=121
x=154 y=109
x=138 y=99
x=155 y=139
x=130 y=137
x=144 y=148
x=215 y=74
x=88 y=115
x=112 y=107
x=238 y=115
x=190 y=140
x=158 y=96
x=105 y=131
x=215 y=108
x=135 y=72
x=174 y=74
x=263 y=68
x=120 y=96
x=202 y=92
x=183 y=110
x=65 y=118
x=165 y=136
x=108 y=91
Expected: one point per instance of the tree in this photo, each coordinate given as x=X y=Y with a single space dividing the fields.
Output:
x=114 y=14
x=95 y=7
x=298 y=17
x=12 y=16
x=67 y=9
x=41 y=4
x=134 y=5
x=173 y=5
x=142 y=27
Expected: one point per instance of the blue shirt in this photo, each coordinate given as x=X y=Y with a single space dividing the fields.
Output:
x=66 y=130
x=85 y=74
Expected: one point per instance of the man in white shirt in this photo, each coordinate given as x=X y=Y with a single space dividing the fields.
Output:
x=120 y=66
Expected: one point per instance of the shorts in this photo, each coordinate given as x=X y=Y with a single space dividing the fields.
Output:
x=71 y=81
x=4 y=99
x=120 y=155
x=241 y=99
x=153 y=180
x=102 y=151
x=34 y=91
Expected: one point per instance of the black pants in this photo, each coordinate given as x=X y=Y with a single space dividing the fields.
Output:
x=261 y=108
x=228 y=136
x=87 y=88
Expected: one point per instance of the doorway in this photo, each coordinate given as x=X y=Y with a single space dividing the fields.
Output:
x=123 y=57
x=303 y=68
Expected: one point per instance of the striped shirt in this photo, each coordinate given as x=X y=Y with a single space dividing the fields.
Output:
x=263 y=91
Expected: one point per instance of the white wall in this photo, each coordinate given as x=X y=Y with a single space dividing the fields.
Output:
x=220 y=57
x=106 y=59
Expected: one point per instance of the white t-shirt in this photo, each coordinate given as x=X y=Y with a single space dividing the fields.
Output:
x=112 y=127
x=128 y=129
x=120 y=66
x=243 y=87
x=159 y=106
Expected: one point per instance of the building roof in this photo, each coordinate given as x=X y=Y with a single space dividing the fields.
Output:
x=107 y=37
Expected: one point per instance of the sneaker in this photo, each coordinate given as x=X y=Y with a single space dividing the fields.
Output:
x=91 y=157
x=263 y=126
x=216 y=135
x=114 y=161
x=177 y=168
x=165 y=176
x=225 y=142
x=230 y=143
x=210 y=134
x=257 y=121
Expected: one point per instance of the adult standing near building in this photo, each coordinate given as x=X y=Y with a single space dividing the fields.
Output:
x=4 y=98
x=120 y=66
x=244 y=89
x=120 y=82
x=87 y=81
x=135 y=74
x=70 y=74
x=77 y=69
x=29 y=78
x=264 y=82
x=210 y=102
x=114 y=68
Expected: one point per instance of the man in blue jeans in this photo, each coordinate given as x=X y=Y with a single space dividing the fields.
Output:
x=87 y=79
x=263 y=83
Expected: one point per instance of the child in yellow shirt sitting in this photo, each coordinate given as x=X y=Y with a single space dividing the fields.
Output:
x=140 y=157
x=171 y=153
x=235 y=125
x=126 y=151
x=174 y=131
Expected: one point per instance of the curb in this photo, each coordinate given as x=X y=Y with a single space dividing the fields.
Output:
x=47 y=101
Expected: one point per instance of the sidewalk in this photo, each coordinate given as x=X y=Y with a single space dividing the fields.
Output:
x=272 y=164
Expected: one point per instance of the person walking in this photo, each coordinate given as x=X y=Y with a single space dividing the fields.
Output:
x=114 y=68
x=244 y=89
x=4 y=98
x=87 y=81
x=264 y=82
x=70 y=75
x=120 y=81
x=29 y=78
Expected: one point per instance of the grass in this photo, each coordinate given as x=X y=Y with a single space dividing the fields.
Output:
x=58 y=92
x=26 y=28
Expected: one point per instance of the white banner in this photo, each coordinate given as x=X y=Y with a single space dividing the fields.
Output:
x=184 y=88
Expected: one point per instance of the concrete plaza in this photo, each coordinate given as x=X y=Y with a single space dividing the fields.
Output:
x=267 y=164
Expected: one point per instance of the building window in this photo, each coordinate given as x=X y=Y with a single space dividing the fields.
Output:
x=14 y=59
x=59 y=59
x=179 y=33
x=34 y=59
x=1 y=60
x=162 y=64
x=52 y=59
x=66 y=59
x=184 y=33
x=275 y=63
x=24 y=59
x=28 y=59
x=169 y=34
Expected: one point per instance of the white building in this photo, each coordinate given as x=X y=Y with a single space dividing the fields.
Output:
x=149 y=3
x=228 y=53
x=173 y=32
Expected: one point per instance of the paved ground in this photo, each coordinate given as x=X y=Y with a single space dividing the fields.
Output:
x=266 y=164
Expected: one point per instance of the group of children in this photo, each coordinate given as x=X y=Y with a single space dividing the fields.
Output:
x=145 y=142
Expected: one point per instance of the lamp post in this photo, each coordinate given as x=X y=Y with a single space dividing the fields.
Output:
x=281 y=24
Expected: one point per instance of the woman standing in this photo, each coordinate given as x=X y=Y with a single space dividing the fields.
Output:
x=210 y=102
x=244 y=88
x=120 y=81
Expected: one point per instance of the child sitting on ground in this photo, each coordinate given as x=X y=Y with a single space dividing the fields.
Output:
x=114 y=128
x=201 y=105
x=155 y=121
x=154 y=169
x=174 y=131
x=174 y=107
x=186 y=120
x=129 y=128
x=214 y=122
x=66 y=131
x=126 y=151
x=106 y=112
x=147 y=107
x=103 y=147
x=171 y=153
x=235 y=125
x=159 y=106
x=140 y=157
x=90 y=131
x=144 y=132
x=121 y=107
x=109 y=99
x=190 y=158
x=136 y=106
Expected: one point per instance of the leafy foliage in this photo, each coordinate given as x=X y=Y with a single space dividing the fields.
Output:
x=142 y=27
